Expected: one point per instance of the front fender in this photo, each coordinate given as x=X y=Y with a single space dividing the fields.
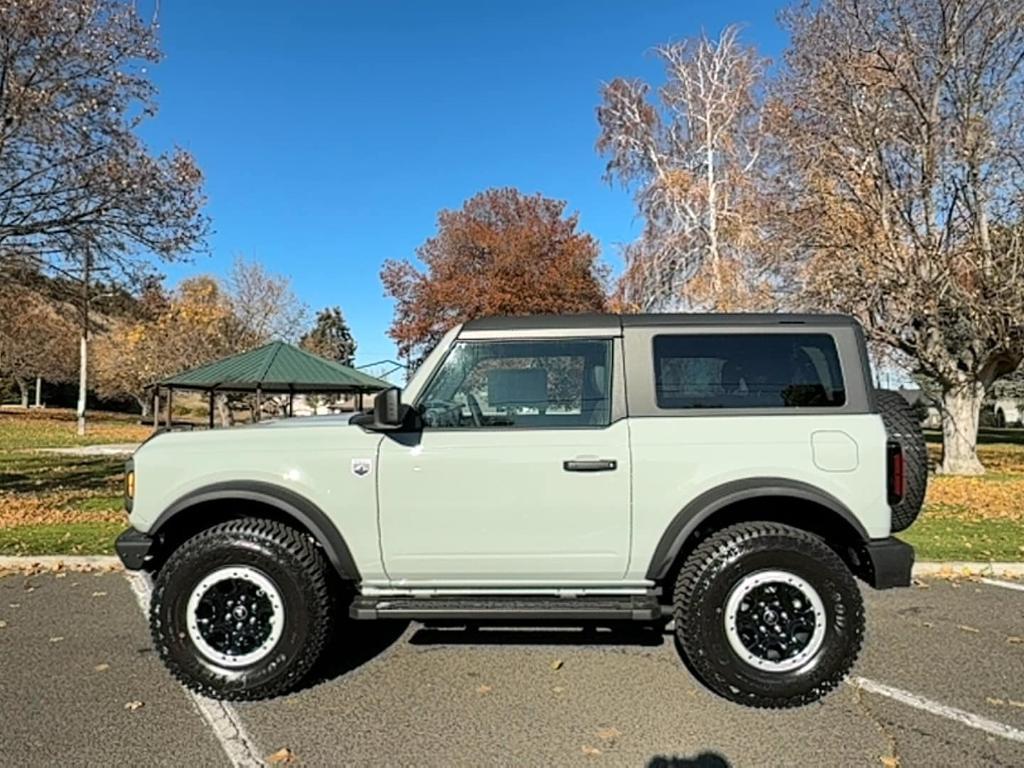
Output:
x=294 y=506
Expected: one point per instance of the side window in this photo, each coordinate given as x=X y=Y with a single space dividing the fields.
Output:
x=556 y=383
x=781 y=370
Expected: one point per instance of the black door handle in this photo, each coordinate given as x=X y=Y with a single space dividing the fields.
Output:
x=589 y=465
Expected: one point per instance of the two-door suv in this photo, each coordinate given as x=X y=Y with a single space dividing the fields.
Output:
x=734 y=474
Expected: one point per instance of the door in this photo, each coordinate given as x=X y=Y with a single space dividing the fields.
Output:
x=519 y=474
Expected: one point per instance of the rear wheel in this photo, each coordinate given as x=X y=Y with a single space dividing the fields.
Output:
x=242 y=610
x=767 y=615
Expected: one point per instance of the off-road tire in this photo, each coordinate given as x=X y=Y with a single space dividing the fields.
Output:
x=703 y=587
x=902 y=425
x=293 y=564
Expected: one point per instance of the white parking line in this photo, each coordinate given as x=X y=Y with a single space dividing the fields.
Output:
x=969 y=719
x=222 y=718
x=1005 y=584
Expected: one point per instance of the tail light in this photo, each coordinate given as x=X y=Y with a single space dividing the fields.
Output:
x=896 y=474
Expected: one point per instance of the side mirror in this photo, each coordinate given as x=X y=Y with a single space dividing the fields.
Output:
x=387 y=409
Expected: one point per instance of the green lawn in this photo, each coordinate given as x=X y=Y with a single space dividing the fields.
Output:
x=91 y=538
x=958 y=539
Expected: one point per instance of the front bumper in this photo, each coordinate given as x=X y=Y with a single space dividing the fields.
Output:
x=135 y=549
x=886 y=563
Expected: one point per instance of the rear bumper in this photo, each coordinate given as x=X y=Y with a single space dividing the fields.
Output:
x=135 y=549
x=886 y=563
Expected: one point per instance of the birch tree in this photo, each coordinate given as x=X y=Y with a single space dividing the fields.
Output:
x=903 y=121
x=691 y=160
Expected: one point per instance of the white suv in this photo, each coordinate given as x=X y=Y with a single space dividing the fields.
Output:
x=733 y=473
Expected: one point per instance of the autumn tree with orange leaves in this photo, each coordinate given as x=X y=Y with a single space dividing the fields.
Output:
x=502 y=253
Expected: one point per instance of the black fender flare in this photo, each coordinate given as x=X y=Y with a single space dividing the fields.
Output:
x=689 y=518
x=291 y=504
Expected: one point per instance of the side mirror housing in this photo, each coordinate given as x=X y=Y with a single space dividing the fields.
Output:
x=388 y=412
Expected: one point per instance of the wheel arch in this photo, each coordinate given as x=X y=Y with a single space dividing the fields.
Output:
x=212 y=504
x=772 y=499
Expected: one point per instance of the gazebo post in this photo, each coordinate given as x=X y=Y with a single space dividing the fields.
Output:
x=156 y=407
x=359 y=400
x=291 y=401
x=170 y=405
x=259 y=403
x=211 y=408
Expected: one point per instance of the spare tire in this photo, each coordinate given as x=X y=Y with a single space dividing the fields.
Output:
x=903 y=426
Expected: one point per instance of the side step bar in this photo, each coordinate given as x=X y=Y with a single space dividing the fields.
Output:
x=489 y=608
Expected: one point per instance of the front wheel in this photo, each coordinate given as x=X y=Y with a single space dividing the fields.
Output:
x=768 y=615
x=242 y=610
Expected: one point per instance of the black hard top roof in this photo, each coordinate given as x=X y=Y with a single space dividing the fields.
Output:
x=604 y=321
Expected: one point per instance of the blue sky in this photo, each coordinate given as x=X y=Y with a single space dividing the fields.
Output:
x=331 y=133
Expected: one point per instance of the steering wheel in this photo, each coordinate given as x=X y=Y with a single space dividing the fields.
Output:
x=474 y=409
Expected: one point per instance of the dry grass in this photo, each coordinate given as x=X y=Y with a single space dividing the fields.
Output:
x=55 y=428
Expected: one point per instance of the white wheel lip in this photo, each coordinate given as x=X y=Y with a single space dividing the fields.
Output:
x=743 y=588
x=253 y=576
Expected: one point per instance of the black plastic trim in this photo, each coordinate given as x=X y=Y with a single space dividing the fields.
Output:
x=298 y=507
x=499 y=608
x=134 y=548
x=701 y=508
x=887 y=563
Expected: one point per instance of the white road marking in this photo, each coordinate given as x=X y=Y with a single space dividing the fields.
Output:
x=969 y=719
x=1006 y=584
x=222 y=718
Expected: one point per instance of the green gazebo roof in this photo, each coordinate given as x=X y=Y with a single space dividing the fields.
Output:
x=275 y=367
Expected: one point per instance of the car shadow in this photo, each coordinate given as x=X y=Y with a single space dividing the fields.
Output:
x=703 y=760
x=532 y=633
x=352 y=645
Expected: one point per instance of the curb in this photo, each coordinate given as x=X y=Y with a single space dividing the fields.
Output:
x=60 y=563
x=112 y=563
x=967 y=568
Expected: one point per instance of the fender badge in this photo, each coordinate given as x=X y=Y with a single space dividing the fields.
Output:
x=361 y=467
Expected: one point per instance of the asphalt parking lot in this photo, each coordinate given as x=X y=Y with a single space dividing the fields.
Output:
x=941 y=682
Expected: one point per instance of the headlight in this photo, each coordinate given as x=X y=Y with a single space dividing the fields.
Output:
x=129 y=484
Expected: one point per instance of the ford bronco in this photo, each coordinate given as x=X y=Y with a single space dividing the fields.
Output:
x=734 y=475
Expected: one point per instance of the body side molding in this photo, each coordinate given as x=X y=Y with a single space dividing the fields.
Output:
x=294 y=505
x=702 y=507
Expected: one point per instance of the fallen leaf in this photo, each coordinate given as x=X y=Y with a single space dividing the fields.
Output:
x=56 y=639
x=966 y=628
x=99 y=594
x=609 y=734
x=3 y=624
x=102 y=667
x=998 y=702
x=14 y=605
x=1015 y=639
x=484 y=689
x=558 y=689
x=60 y=576
x=283 y=755
x=556 y=664
x=890 y=762
x=131 y=706
x=590 y=751
x=1015 y=703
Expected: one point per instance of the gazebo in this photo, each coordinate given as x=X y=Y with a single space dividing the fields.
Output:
x=273 y=369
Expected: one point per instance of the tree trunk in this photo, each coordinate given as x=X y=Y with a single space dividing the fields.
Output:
x=145 y=403
x=23 y=390
x=39 y=391
x=227 y=416
x=83 y=379
x=961 y=409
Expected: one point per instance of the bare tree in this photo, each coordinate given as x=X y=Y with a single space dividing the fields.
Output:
x=904 y=185
x=79 y=192
x=692 y=163
x=36 y=340
x=263 y=306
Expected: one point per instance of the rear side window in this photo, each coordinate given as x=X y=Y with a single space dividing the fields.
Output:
x=762 y=370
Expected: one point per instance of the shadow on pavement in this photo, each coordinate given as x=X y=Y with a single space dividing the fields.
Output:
x=703 y=760
x=532 y=634
x=353 y=644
